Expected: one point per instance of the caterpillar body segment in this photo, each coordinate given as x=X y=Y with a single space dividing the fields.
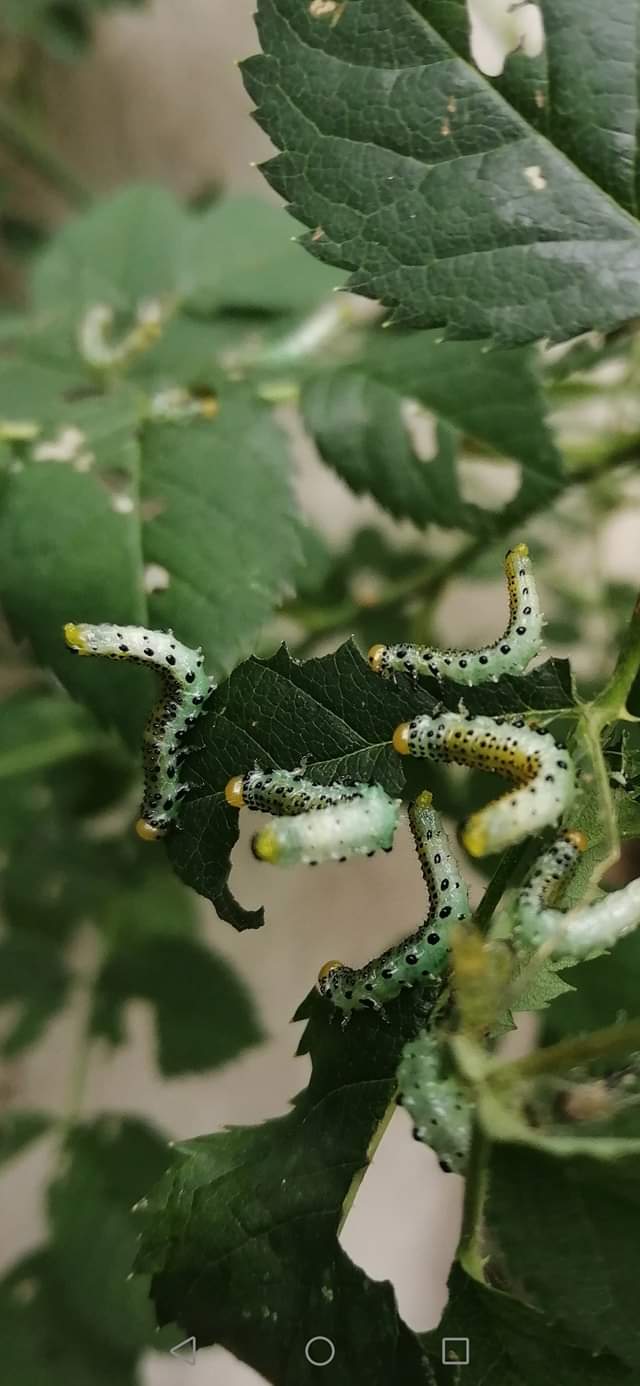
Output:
x=577 y=932
x=315 y=823
x=184 y=688
x=542 y=772
x=421 y=957
x=439 y=1104
x=510 y=654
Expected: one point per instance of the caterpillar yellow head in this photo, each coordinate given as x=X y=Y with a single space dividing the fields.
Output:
x=376 y=658
x=75 y=639
x=519 y=551
x=326 y=973
x=474 y=835
x=424 y=799
x=147 y=831
x=265 y=845
x=234 y=792
x=401 y=739
x=578 y=839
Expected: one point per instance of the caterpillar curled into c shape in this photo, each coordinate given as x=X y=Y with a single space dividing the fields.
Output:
x=542 y=771
x=510 y=654
x=185 y=686
x=316 y=823
x=423 y=955
x=578 y=932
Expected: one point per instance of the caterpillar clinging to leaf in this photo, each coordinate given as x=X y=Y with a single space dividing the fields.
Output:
x=510 y=654
x=316 y=822
x=578 y=932
x=422 y=956
x=185 y=686
x=438 y=1102
x=542 y=772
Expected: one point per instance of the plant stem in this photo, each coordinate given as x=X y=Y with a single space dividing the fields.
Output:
x=503 y=876
x=611 y=702
x=612 y=1039
x=19 y=135
x=470 y=1253
x=426 y=581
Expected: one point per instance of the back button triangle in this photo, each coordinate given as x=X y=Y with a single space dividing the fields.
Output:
x=186 y=1351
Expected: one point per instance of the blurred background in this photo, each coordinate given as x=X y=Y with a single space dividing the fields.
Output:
x=155 y=94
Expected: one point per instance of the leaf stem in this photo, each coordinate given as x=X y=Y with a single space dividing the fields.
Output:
x=427 y=581
x=470 y=1252
x=503 y=876
x=568 y=1053
x=19 y=135
x=611 y=702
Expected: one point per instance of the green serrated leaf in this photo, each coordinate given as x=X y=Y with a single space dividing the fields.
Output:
x=261 y=1206
x=492 y=211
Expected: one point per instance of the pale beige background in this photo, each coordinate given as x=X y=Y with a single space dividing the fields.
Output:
x=160 y=97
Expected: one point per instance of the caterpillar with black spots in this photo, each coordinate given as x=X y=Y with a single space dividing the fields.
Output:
x=184 y=688
x=542 y=771
x=510 y=654
x=438 y=1102
x=577 y=932
x=316 y=823
x=423 y=955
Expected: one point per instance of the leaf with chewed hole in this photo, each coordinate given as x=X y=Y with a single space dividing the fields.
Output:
x=502 y=210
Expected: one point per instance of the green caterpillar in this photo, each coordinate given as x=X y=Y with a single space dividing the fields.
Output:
x=543 y=772
x=510 y=654
x=422 y=956
x=319 y=822
x=438 y=1102
x=578 y=932
x=185 y=686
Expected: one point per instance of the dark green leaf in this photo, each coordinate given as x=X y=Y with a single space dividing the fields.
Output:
x=33 y=976
x=42 y=1342
x=241 y=257
x=37 y=731
x=223 y=528
x=261 y=1206
x=511 y=1344
x=449 y=200
x=204 y=1015
x=607 y=990
x=360 y=429
x=85 y=1271
x=18 y=1129
x=584 y=1212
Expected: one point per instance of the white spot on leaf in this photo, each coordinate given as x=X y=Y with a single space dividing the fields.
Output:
x=535 y=177
x=498 y=28
x=156 y=578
